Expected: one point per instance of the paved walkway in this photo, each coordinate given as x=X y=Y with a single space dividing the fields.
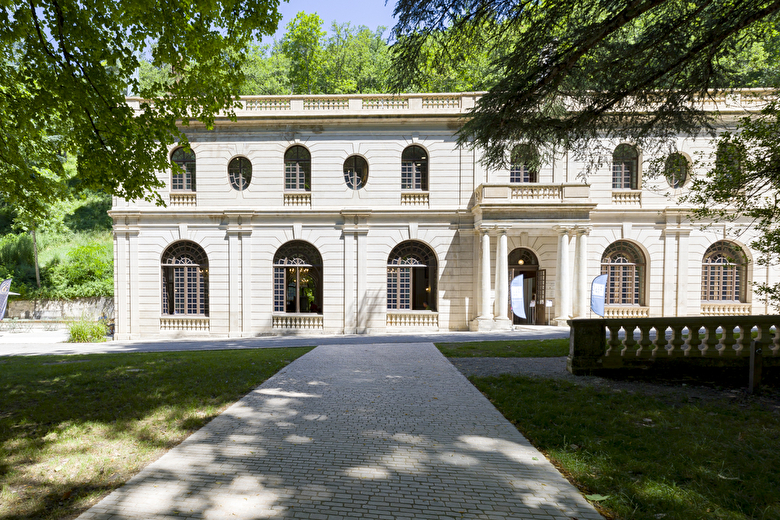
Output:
x=354 y=431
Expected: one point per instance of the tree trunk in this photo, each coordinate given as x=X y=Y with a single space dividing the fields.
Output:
x=35 y=253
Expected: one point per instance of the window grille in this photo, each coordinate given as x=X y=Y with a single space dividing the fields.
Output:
x=298 y=278
x=625 y=266
x=185 y=286
x=411 y=277
x=722 y=273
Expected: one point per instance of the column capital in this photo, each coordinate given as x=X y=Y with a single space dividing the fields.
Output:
x=563 y=230
x=582 y=230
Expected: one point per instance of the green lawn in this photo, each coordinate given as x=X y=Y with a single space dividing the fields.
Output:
x=512 y=348
x=643 y=456
x=73 y=428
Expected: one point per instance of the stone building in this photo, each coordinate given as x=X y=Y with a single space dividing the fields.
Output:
x=360 y=214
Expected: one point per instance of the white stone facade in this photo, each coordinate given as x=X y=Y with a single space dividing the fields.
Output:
x=468 y=221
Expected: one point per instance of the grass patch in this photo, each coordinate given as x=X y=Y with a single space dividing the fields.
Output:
x=73 y=428
x=511 y=348
x=652 y=456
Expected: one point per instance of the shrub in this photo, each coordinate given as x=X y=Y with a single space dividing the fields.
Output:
x=84 y=331
x=88 y=273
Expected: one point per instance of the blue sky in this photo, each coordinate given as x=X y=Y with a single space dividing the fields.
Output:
x=371 y=13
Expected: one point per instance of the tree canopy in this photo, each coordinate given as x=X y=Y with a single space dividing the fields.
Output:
x=570 y=72
x=66 y=67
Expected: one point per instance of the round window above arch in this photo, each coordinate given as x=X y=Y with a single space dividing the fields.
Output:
x=240 y=173
x=355 y=172
x=676 y=170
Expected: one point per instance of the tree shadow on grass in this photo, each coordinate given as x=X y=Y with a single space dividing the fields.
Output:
x=71 y=431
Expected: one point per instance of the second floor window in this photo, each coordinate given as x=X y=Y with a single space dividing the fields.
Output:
x=240 y=173
x=524 y=164
x=625 y=160
x=297 y=169
x=414 y=169
x=183 y=176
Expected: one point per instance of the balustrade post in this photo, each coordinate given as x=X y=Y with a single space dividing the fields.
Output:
x=726 y=343
x=645 y=342
x=614 y=340
x=710 y=339
x=677 y=341
x=630 y=342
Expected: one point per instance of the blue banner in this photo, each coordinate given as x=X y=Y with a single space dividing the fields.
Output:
x=598 y=292
x=5 y=288
x=516 y=292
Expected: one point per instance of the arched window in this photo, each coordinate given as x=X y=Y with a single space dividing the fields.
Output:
x=240 y=173
x=524 y=166
x=414 y=169
x=297 y=169
x=298 y=278
x=411 y=277
x=185 y=279
x=183 y=177
x=723 y=273
x=355 y=172
x=676 y=170
x=625 y=265
x=625 y=160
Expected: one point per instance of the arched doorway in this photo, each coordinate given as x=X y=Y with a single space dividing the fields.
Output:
x=411 y=277
x=523 y=261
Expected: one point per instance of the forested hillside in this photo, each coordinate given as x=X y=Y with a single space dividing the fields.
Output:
x=75 y=249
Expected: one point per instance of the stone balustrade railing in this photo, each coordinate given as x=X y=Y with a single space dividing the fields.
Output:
x=298 y=321
x=184 y=323
x=298 y=199
x=532 y=192
x=414 y=198
x=597 y=344
x=627 y=198
x=412 y=319
x=628 y=311
x=184 y=199
x=725 y=309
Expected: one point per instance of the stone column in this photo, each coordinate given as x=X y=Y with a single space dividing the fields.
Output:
x=502 y=282
x=563 y=282
x=581 y=273
x=484 y=320
x=484 y=279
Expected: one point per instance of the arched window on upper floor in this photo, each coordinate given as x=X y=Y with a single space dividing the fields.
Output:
x=625 y=164
x=297 y=169
x=414 y=168
x=183 y=174
x=723 y=273
x=524 y=164
x=625 y=265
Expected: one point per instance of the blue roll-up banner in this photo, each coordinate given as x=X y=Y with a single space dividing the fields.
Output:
x=598 y=292
x=516 y=292
x=5 y=288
